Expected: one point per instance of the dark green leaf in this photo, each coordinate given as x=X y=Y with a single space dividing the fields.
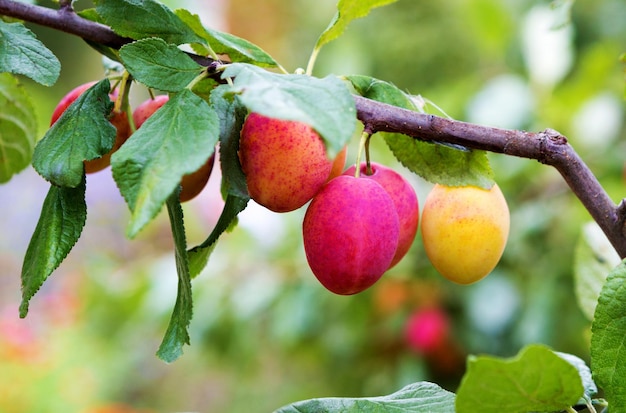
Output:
x=237 y=49
x=177 y=334
x=421 y=397
x=232 y=115
x=595 y=258
x=325 y=104
x=608 y=339
x=436 y=163
x=536 y=380
x=159 y=65
x=199 y=256
x=175 y=141
x=60 y=224
x=83 y=132
x=21 y=53
x=348 y=10
x=18 y=127
x=139 y=19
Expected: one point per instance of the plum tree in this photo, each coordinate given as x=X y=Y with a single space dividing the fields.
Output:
x=350 y=232
x=193 y=183
x=404 y=198
x=285 y=162
x=118 y=119
x=464 y=230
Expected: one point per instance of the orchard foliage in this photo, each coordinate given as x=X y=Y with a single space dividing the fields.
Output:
x=214 y=80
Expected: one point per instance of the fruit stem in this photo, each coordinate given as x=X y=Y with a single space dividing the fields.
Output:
x=312 y=59
x=363 y=145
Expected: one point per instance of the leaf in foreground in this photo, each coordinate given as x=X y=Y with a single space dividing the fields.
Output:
x=421 y=397
x=19 y=128
x=82 y=133
x=608 y=339
x=60 y=224
x=159 y=65
x=536 y=380
x=22 y=53
x=176 y=140
x=177 y=334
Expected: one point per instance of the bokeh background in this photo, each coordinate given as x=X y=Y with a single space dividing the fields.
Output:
x=265 y=333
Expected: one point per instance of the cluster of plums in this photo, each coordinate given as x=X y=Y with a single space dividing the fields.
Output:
x=191 y=184
x=358 y=224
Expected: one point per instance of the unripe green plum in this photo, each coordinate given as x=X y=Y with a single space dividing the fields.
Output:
x=404 y=198
x=192 y=183
x=118 y=119
x=285 y=162
x=464 y=231
x=350 y=232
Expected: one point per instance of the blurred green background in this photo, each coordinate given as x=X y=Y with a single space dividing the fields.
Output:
x=265 y=333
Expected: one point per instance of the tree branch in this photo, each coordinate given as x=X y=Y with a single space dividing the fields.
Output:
x=548 y=147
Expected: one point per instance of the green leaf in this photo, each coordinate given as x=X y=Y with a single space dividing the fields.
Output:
x=608 y=339
x=177 y=334
x=159 y=65
x=436 y=163
x=83 y=132
x=60 y=224
x=421 y=397
x=595 y=258
x=348 y=10
x=139 y=19
x=18 y=127
x=199 y=256
x=237 y=49
x=584 y=372
x=176 y=140
x=232 y=115
x=536 y=380
x=325 y=104
x=21 y=53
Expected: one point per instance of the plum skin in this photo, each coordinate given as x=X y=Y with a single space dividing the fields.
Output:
x=285 y=162
x=465 y=230
x=404 y=198
x=350 y=232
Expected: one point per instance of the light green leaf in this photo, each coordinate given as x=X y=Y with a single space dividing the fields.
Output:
x=436 y=163
x=237 y=49
x=325 y=104
x=139 y=19
x=585 y=375
x=608 y=339
x=536 y=380
x=348 y=10
x=177 y=334
x=21 y=53
x=175 y=141
x=60 y=224
x=421 y=397
x=595 y=258
x=83 y=132
x=159 y=65
x=18 y=127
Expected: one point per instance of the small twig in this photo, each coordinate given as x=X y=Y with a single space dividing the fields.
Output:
x=548 y=147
